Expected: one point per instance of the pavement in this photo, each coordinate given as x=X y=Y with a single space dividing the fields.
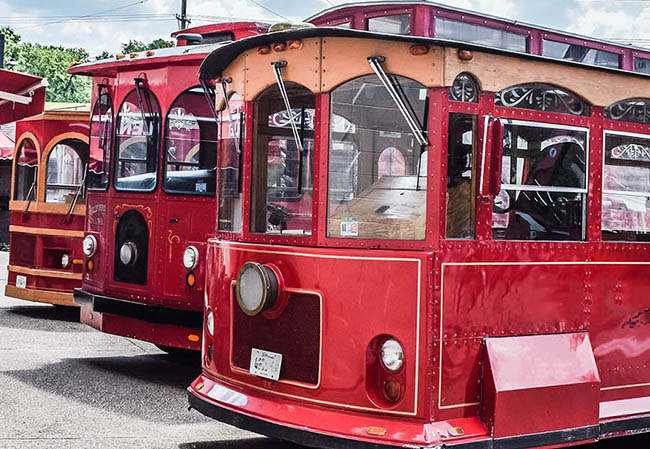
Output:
x=66 y=385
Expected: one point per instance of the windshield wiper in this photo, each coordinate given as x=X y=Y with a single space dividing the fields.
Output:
x=32 y=189
x=375 y=64
x=145 y=122
x=277 y=71
x=77 y=193
x=102 y=136
x=231 y=128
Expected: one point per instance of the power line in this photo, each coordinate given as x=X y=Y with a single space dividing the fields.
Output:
x=269 y=10
x=139 y=2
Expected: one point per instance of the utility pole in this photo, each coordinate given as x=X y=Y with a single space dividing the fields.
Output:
x=182 y=18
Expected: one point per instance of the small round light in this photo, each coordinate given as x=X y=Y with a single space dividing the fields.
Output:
x=257 y=288
x=295 y=45
x=90 y=266
x=128 y=253
x=393 y=390
x=392 y=355
x=65 y=261
x=209 y=322
x=465 y=55
x=191 y=257
x=279 y=46
x=418 y=50
x=264 y=50
x=89 y=245
x=190 y=279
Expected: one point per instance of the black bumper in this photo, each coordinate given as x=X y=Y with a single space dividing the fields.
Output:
x=138 y=311
x=313 y=439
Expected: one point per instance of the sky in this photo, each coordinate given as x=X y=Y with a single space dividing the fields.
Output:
x=102 y=25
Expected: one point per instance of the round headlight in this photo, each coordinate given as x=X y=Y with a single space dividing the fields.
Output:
x=209 y=322
x=257 y=288
x=65 y=261
x=191 y=257
x=89 y=245
x=128 y=253
x=392 y=355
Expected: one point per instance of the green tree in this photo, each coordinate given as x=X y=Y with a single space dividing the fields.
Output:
x=133 y=46
x=50 y=62
x=104 y=55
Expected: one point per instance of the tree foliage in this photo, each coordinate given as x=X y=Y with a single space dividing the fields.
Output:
x=133 y=46
x=50 y=62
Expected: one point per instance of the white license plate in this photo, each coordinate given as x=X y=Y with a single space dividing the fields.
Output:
x=21 y=281
x=266 y=364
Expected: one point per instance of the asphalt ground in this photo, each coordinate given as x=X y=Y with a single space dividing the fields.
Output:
x=65 y=385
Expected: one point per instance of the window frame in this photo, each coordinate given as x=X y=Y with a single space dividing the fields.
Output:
x=109 y=149
x=163 y=153
x=47 y=185
x=156 y=152
x=552 y=189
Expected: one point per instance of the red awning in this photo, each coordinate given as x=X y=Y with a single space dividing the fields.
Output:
x=6 y=146
x=21 y=95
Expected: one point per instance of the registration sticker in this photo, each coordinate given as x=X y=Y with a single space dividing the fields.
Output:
x=201 y=187
x=21 y=281
x=349 y=228
x=265 y=364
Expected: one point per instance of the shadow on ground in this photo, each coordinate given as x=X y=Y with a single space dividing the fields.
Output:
x=247 y=443
x=42 y=317
x=150 y=387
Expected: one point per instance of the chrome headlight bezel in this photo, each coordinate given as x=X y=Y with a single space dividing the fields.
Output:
x=209 y=322
x=191 y=257
x=89 y=245
x=65 y=260
x=268 y=291
x=128 y=253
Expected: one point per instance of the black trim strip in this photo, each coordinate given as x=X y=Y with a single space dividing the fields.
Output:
x=548 y=438
x=138 y=311
x=625 y=425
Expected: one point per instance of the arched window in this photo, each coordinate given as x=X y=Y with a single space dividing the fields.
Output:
x=282 y=172
x=542 y=97
x=26 y=171
x=191 y=145
x=232 y=123
x=376 y=187
x=101 y=137
x=138 y=134
x=635 y=110
x=65 y=165
x=464 y=89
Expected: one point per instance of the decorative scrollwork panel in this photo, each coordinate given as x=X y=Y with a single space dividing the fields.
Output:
x=542 y=97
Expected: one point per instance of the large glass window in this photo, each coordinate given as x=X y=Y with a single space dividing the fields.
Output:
x=26 y=171
x=191 y=146
x=477 y=34
x=65 y=168
x=137 y=139
x=232 y=129
x=281 y=200
x=460 y=172
x=376 y=183
x=642 y=65
x=578 y=53
x=395 y=24
x=626 y=187
x=543 y=183
x=101 y=138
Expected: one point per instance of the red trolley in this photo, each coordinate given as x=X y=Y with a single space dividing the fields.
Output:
x=151 y=190
x=425 y=243
x=47 y=207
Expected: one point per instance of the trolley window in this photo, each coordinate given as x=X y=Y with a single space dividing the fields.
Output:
x=25 y=171
x=543 y=183
x=101 y=138
x=232 y=121
x=190 y=146
x=65 y=169
x=477 y=34
x=578 y=53
x=461 y=153
x=376 y=183
x=137 y=138
x=282 y=171
x=626 y=187
x=395 y=24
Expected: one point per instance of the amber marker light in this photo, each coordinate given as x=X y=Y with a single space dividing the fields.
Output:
x=190 y=280
x=465 y=55
x=393 y=390
x=193 y=337
x=376 y=431
x=149 y=53
x=295 y=45
x=279 y=46
x=120 y=57
x=90 y=266
x=264 y=50
x=417 y=50
x=133 y=55
x=77 y=261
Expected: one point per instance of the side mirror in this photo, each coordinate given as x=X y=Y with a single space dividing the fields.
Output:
x=495 y=132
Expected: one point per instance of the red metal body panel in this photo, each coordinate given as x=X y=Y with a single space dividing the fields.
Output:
x=40 y=232
x=22 y=84
x=539 y=384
